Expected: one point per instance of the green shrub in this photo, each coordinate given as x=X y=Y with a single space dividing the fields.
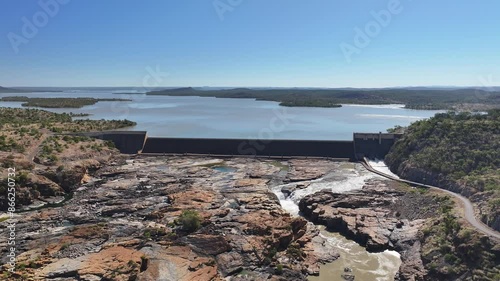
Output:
x=65 y=246
x=190 y=220
x=271 y=253
x=450 y=258
x=279 y=269
x=294 y=251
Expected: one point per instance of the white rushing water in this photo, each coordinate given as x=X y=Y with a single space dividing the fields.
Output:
x=365 y=266
x=351 y=180
x=380 y=166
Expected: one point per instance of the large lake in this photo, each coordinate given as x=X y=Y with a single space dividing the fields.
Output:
x=237 y=118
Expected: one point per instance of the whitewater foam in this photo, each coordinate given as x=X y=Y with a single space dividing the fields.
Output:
x=380 y=166
x=353 y=180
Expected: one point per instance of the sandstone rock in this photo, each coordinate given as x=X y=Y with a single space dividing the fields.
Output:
x=90 y=277
x=367 y=217
x=229 y=263
x=177 y=263
x=62 y=268
x=121 y=225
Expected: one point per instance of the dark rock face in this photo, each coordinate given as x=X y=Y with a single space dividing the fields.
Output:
x=412 y=173
x=488 y=213
x=49 y=184
x=37 y=187
x=67 y=178
x=207 y=244
x=230 y=263
x=374 y=218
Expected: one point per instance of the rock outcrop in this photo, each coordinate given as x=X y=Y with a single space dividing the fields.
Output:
x=123 y=224
x=380 y=217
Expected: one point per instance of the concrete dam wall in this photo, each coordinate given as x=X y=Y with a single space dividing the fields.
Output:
x=128 y=142
x=370 y=145
x=288 y=148
x=373 y=145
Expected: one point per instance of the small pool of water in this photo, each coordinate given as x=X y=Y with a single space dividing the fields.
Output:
x=161 y=167
x=224 y=169
x=61 y=203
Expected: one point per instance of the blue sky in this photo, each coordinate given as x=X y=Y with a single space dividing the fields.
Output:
x=281 y=43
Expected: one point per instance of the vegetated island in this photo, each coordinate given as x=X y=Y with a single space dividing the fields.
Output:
x=432 y=99
x=57 y=102
x=78 y=114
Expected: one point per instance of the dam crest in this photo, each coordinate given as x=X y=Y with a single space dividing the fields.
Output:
x=369 y=145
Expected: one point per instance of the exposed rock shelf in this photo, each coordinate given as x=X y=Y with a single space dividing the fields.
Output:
x=122 y=225
x=378 y=217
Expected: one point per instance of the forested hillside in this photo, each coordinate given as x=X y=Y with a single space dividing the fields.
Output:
x=460 y=152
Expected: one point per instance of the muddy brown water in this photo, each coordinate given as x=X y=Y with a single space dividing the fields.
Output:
x=365 y=266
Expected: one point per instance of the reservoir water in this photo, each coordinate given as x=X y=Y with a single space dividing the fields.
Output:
x=203 y=117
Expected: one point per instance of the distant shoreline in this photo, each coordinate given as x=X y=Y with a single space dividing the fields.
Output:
x=462 y=99
x=78 y=102
x=418 y=98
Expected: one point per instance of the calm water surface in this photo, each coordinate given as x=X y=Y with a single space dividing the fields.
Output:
x=237 y=118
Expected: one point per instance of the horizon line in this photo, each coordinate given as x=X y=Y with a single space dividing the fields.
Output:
x=273 y=87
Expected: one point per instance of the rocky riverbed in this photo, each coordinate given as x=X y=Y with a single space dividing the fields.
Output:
x=384 y=215
x=377 y=217
x=122 y=224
